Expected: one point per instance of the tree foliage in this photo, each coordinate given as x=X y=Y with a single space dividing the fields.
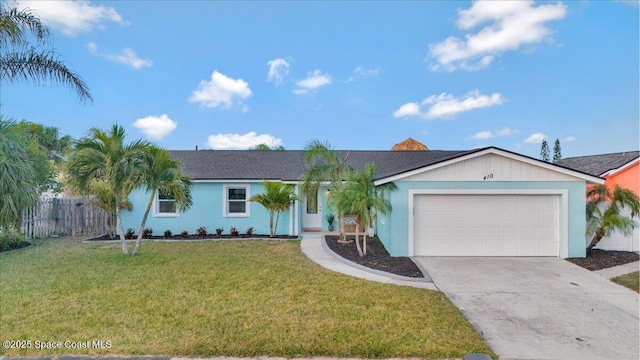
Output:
x=604 y=212
x=23 y=36
x=160 y=172
x=277 y=197
x=544 y=151
x=105 y=157
x=557 y=151
x=325 y=165
x=265 y=147
x=18 y=177
x=361 y=197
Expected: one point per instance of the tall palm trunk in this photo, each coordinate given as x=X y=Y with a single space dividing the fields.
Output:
x=144 y=222
x=364 y=244
x=596 y=239
x=271 y=231
x=125 y=249
x=358 y=243
x=275 y=227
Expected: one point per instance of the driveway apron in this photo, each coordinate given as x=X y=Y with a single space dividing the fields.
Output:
x=540 y=308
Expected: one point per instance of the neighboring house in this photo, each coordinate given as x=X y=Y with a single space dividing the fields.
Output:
x=621 y=169
x=483 y=202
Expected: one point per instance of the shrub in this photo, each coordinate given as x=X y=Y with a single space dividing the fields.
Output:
x=250 y=231
x=201 y=231
x=147 y=233
x=12 y=240
x=233 y=231
x=219 y=231
x=184 y=234
x=129 y=234
x=167 y=234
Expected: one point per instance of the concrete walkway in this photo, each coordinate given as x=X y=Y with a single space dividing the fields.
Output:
x=311 y=245
x=541 y=307
x=612 y=272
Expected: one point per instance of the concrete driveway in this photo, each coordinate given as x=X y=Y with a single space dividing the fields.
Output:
x=540 y=308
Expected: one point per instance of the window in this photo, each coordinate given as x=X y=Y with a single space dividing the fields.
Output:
x=165 y=205
x=235 y=202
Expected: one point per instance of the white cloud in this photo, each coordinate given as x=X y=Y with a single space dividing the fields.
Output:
x=359 y=73
x=535 y=138
x=482 y=135
x=238 y=141
x=72 y=17
x=408 y=109
x=569 y=139
x=278 y=69
x=446 y=105
x=221 y=90
x=509 y=25
x=314 y=80
x=156 y=127
x=490 y=134
x=126 y=57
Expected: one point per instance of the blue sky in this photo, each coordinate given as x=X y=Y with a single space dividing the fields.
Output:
x=361 y=75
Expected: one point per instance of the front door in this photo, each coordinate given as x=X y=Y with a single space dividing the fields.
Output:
x=312 y=213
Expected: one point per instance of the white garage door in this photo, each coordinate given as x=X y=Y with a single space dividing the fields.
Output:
x=486 y=225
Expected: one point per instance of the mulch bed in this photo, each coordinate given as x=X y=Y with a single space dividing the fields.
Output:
x=197 y=237
x=377 y=256
x=602 y=259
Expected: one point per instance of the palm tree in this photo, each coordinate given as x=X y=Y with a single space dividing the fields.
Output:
x=105 y=200
x=277 y=197
x=324 y=164
x=162 y=173
x=20 y=60
x=105 y=156
x=602 y=223
x=360 y=196
x=18 y=178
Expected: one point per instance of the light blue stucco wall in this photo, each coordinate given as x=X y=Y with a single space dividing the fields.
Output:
x=393 y=229
x=207 y=210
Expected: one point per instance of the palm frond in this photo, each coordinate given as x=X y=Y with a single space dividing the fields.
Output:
x=41 y=67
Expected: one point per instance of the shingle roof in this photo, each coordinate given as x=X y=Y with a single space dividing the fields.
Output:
x=289 y=165
x=598 y=164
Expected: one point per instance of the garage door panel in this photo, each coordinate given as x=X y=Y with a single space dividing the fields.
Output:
x=486 y=225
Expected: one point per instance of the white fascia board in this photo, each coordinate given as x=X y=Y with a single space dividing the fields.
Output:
x=622 y=168
x=495 y=151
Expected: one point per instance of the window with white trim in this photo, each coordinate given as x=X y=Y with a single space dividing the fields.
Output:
x=236 y=198
x=165 y=205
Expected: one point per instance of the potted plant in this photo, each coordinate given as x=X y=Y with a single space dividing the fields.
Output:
x=330 y=217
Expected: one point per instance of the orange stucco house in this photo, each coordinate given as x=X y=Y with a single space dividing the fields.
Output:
x=621 y=169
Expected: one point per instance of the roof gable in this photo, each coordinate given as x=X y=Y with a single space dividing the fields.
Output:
x=491 y=164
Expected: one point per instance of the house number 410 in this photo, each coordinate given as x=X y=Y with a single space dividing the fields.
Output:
x=487 y=177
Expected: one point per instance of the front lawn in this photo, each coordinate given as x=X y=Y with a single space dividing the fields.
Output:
x=632 y=281
x=233 y=298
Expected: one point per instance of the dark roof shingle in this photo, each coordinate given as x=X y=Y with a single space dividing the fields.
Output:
x=598 y=164
x=289 y=165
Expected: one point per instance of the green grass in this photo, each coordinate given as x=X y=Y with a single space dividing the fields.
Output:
x=632 y=281
x=233 y=298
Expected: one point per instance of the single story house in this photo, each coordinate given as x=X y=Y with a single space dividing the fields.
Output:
x=622 y=169
x=481 y=202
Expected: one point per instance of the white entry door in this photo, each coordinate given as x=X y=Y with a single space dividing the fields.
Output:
x=312 y=213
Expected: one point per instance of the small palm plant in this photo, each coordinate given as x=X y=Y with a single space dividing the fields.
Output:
x=602 y=223
x=276 y=198
x=361 y=197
